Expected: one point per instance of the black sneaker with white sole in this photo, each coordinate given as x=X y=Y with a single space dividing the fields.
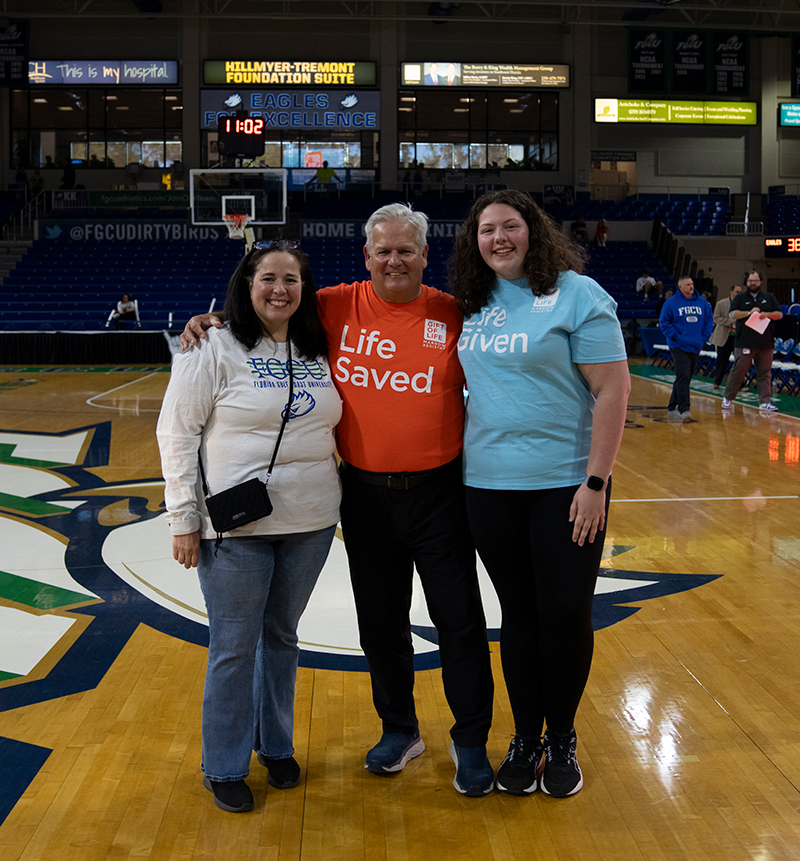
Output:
x=519 y=771
x=562 y=775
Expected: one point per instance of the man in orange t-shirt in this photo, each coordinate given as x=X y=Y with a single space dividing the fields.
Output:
x=392 y=346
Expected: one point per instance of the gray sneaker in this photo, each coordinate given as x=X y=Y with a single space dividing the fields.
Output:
x=686 y=417
x=674 y=416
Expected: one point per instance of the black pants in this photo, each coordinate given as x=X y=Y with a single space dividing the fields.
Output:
x=685 y=364
x=386 y=533
x=545 y=583
x=723 y=357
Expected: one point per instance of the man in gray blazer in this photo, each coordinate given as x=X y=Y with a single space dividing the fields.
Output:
x=724 y=334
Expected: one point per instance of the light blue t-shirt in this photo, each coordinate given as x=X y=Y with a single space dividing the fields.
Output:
x=529 y=410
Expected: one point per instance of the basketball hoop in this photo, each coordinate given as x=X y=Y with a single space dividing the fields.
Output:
x=236 y=224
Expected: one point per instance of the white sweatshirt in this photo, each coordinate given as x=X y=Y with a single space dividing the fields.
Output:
x=228 y=402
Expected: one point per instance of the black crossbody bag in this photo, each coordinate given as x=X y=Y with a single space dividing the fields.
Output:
x=243 y=503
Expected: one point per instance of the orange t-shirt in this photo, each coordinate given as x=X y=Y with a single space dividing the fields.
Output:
x=396 y=367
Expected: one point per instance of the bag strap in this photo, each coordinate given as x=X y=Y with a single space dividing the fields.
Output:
x=285 y=412
x=285 y=418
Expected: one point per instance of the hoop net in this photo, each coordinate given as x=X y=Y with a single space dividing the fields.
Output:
x=236 y=224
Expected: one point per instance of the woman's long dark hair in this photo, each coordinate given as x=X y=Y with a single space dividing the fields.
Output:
x=550 y=252
x=305 y=328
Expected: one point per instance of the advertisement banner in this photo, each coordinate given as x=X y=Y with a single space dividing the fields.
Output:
x=105 y=72
x=675 y=111
x=446 y=74
x=299 y=72
x=70 y=199
x=295 y=109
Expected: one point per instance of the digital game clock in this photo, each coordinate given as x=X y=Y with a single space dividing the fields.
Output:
x=241 y=135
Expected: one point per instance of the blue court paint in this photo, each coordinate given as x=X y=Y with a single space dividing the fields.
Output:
x=19 y=764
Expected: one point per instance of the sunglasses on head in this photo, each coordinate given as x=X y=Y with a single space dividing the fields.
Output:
x=280 y=244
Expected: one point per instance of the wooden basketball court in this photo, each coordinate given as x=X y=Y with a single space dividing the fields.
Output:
x=689 y=732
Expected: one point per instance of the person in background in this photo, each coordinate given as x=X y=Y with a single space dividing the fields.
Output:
x=646 y=284
x=601 y=232
x=752 y=346
x=432 y=78
x=579 y=232
x=686 y=320
x=548 y=383
x=325 y=175
x=724 y=334
x=126 y=310
x=225 y=404
x=668 y=294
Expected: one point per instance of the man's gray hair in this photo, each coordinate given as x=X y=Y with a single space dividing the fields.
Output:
x=403 y=213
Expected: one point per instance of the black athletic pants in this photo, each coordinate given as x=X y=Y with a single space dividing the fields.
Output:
x=386 y=533
x=685 y=364
x=545 y=583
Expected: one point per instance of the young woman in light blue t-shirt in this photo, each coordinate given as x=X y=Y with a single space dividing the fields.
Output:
x=547 y=376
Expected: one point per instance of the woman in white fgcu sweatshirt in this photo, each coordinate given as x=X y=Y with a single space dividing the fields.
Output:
x=226 y=402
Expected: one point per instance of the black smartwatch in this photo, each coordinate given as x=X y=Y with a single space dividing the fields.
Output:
x=594 y=482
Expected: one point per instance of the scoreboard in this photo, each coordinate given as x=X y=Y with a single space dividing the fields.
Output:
x=782 y=246
x=241 y=136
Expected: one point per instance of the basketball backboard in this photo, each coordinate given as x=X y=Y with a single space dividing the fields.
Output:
x=259 y=193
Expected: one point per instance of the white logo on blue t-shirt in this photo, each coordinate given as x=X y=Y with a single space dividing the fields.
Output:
x=544 y=303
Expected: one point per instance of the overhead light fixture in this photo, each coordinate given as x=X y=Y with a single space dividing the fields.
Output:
x=40 y=101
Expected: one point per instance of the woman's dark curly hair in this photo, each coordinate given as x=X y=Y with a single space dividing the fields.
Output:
x=305 y=328
x=550 y=252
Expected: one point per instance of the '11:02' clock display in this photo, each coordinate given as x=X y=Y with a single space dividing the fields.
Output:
x=241 y=136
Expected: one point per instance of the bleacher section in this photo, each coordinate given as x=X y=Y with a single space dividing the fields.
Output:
x=783 y=216
x=684 y=214
x=617 y=268
x=74 y=285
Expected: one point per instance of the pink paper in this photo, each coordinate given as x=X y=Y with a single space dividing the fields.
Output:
x=755 y=322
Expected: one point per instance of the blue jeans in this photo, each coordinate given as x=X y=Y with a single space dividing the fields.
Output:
x=255 y=591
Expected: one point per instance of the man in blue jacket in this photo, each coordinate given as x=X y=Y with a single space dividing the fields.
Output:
x=687 y=321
